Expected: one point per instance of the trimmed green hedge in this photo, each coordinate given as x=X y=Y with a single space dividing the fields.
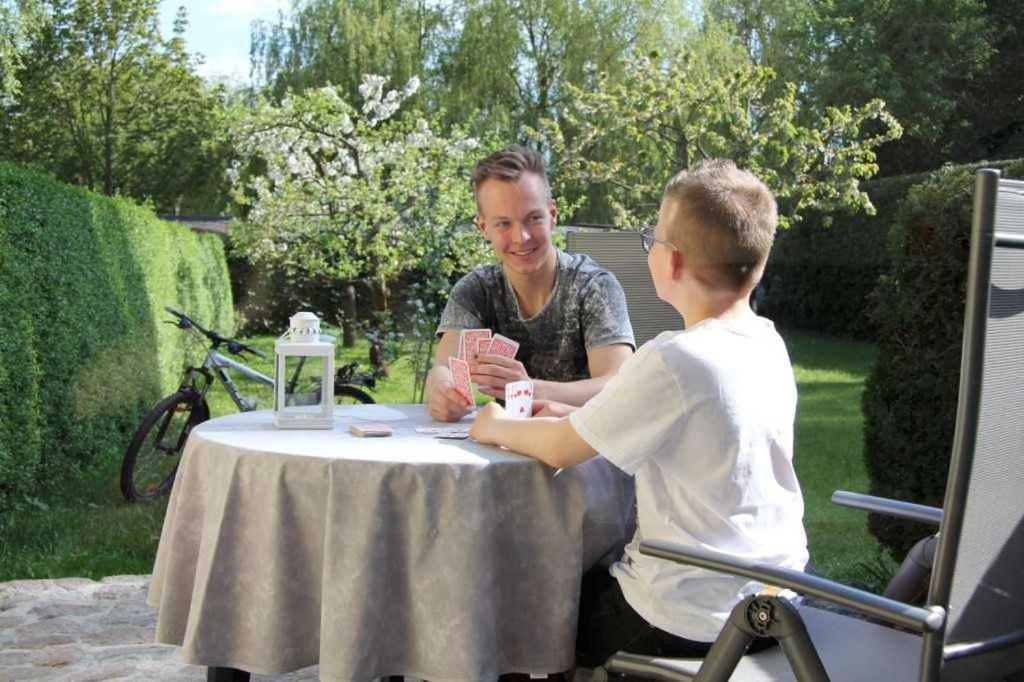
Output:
x=821 y=272
x=910 y=397
x=83 y=282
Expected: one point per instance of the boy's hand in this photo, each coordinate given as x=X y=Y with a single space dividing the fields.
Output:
x=491 y=372
x=552 y=408
x=483 y=429
x=444 y=403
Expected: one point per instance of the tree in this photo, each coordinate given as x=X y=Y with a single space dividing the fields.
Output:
x=107 y=103
x=512 y=60
x=337 y=192
x=18 y=18
x=928 y=62
x=335 y=42
x=629 y=138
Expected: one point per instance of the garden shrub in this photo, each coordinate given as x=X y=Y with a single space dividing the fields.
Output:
x=83 y=282
x=910 y=397
x=822 y=270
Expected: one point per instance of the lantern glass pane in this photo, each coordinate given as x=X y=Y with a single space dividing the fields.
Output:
x=303 y=377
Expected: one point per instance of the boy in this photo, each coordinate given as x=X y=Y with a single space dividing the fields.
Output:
x=703 y=418
x=568 y=315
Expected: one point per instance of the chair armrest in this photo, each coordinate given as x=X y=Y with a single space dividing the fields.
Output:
x=911 y=617
x=882 y=505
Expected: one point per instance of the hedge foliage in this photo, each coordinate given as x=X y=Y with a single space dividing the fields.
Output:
x=822 y=270
x=910 y=397
x=83 y=282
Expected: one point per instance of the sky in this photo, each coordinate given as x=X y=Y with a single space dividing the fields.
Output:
x=220 y=30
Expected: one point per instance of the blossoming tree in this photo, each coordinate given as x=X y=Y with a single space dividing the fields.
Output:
x=360 y=195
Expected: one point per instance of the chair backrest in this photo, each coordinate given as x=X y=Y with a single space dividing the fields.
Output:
x=979 y=569
x=620 y=253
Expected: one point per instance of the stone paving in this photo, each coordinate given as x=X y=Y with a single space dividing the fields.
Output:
x=83 y=630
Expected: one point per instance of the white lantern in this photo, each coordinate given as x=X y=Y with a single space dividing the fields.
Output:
x=304 y=376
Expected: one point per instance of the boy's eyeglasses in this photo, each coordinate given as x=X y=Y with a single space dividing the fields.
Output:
x=647 y=239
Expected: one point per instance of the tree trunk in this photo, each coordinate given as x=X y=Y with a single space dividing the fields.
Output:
x=348 y=315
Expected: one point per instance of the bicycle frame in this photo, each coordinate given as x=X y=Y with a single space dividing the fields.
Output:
x=219 y=364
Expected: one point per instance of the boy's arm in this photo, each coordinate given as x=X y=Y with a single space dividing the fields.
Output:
x=552 y=441
x=495 y=371
x=443 y=402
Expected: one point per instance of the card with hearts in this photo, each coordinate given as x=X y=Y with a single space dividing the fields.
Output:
x=519 y=399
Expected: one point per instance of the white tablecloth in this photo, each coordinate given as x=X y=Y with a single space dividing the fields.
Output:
x=407 y=555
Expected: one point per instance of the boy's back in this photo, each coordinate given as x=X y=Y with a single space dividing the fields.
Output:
x=704 y=420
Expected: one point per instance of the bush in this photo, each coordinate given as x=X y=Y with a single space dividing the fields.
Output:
x=83 y=282
x=910 y=397
x=823 y=269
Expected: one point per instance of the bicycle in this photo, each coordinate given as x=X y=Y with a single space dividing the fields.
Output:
x=151 y=459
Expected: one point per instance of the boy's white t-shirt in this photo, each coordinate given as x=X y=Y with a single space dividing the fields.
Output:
x=703 y=419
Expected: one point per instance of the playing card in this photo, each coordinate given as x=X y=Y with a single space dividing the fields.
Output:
x=519 y=399
x=483 y=346
x=460 y=374
x=457 y=431
x=469 y=341
x=370 y=430
x=504 y=346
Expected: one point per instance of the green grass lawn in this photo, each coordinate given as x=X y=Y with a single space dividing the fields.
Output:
x=828 y=448
x=84 y=528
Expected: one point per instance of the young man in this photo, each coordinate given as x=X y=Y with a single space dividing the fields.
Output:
x=703 y=419
x=567 y=314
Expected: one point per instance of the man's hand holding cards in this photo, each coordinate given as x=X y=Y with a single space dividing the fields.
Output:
x=494 y=365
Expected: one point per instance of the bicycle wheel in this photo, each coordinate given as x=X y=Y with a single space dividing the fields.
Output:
x=151 y=459
x=350 y=395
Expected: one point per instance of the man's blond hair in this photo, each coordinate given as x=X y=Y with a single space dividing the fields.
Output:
x=509 y=165
x=725 y=223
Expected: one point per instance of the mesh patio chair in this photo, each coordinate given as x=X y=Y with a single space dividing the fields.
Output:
x=619 y=252
x=972 y=624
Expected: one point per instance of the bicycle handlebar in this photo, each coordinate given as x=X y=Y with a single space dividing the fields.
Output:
x=234 y=346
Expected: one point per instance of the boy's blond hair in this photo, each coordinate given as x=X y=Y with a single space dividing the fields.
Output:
x=726 y=223
x=509 y=164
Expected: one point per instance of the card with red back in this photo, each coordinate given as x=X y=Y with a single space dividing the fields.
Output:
x=519 y=399
x=504 y=346
x=460 y=375
x=470 y=341
x=370 y=430
x=483 y=346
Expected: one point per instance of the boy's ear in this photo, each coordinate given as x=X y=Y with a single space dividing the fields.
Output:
x=676 y=264
x=481 y=226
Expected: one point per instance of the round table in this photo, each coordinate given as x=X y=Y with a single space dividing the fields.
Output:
x=407 y=555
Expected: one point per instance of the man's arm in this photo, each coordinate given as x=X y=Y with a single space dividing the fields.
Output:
x=495 y=371
x=603 y=363
x=443 y=402
x=551 y=440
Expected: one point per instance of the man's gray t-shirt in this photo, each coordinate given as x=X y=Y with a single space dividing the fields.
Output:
x=587 y=310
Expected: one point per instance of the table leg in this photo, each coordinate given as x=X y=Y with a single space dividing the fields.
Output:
x=226 y=675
